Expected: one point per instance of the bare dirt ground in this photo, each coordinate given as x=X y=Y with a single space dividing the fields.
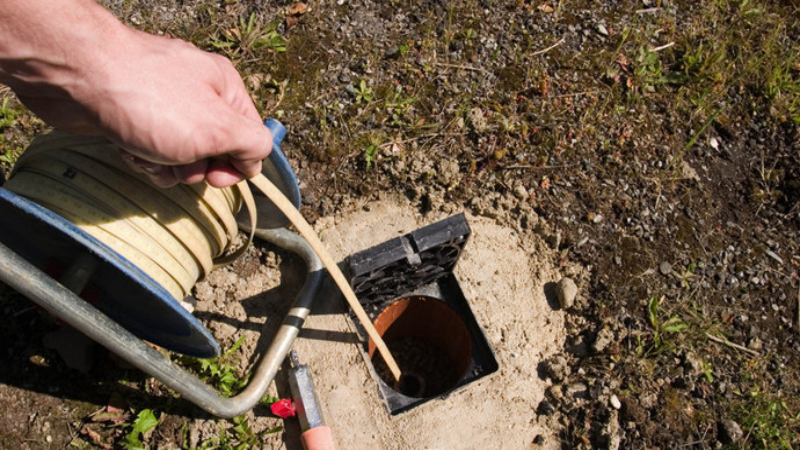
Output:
x=648 y=150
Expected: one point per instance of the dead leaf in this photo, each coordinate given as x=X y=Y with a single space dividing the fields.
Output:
x=396 y=147
x=116 y=417
x=622 y=60
x=294 y=13
x=298 y=9
x=545 y=8
x=96 y=438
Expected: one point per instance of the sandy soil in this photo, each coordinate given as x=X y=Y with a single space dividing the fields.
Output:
x=503 y=276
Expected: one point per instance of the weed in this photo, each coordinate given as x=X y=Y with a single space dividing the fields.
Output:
x=145 y=421
x=686 y=276
x=220 y=372
x=660 y=342
x=9 y=156
x=248 y=37
x=363 y=92
x=370 y=153
x=708 y=370
x=240 y=436
x=400 y=110
x=767 y=421
x=8 y=116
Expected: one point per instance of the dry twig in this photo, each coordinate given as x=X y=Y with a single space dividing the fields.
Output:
x=459 y=66
x=661 y=47
x=545 y=50
x=724 y=341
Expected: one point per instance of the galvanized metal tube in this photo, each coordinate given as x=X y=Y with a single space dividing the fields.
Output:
x=28 y=280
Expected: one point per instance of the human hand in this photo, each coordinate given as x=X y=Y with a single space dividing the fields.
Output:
x=180 y=114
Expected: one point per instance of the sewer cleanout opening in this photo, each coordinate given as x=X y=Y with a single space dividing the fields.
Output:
x=430 y=343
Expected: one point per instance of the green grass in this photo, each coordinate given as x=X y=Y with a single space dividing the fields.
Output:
x=249 y=38
x=222 y=372
x=663 y=333
x=768 y=421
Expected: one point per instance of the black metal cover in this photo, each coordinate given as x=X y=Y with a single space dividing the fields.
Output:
x=406 y=263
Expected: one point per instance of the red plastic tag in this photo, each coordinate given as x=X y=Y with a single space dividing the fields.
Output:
x=283 y=408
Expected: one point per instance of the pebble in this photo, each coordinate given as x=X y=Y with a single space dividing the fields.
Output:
x=393 y=52
x=566 y=290
x=603 y=339
x=772 y=255
x=556 y=368
x=665 y=268
x=555 y=393
x=615 y=403
x=578 y=390
x=648 y=401
x=545 y=408
x=730 y=432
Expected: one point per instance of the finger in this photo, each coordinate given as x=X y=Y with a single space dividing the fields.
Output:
x=221 y=174
x=191 y=173
x=163 y=177
x=159 y=174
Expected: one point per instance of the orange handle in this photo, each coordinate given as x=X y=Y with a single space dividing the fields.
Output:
x=318 y=438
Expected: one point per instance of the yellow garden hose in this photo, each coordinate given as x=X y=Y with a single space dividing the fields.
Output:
x=176 y=235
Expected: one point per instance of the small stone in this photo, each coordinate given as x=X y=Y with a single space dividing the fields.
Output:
x=665 y=268
x=521 y=192
x=393 y=52
x=556 y=368
x=603 y=339
x=566 y=292
x=478 y=120
x=601 y=29
x=615 y=403
x=578 y=390
x=545 y=408
x=730 y=432
x=649 y=401
x=755 y=344
x=555 y=393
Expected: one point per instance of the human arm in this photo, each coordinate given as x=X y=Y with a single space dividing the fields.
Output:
x=182 y=114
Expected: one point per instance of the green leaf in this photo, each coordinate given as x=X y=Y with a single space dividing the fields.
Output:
x=145 y=420
x=652 y=311
x=234 y=347
x=674 y=325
